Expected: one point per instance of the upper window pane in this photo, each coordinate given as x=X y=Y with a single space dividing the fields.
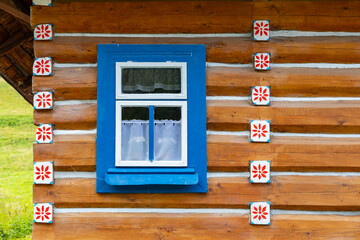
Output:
x=151 y=80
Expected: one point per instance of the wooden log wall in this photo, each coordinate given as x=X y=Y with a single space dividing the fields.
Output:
x=314 y=149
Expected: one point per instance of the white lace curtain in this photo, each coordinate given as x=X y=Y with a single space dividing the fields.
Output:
x=135 y=140
x=149 y=79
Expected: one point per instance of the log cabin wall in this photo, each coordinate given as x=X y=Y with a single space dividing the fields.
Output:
x=314 y=113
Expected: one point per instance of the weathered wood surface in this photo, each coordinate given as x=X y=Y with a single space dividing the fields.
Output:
x=195 y=226
x=218 y=49
x=68 y=152
x=69 y=83
x=198 y=17
x=325 y=117
x=80 y=83
x=224 y=153
x=75 y=117
x=284 y=192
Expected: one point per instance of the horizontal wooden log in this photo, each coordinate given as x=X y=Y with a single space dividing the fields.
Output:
x=284 y=82
x=227 y=50
x=233 y=153
x=197 y=16
x=325 y=117
x=80 y=83
x=68 y=83
x=284 y=192
x=194 y=226
x=315 y=117
x=224 y=153
x=68 y=152
x=82 y=116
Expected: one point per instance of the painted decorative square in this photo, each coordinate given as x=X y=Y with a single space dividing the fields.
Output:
x=261 y=30
x=43 y=212
x=43 y=173
x=260 y=95
x=259 y=131
x=43 y=32
x=260 y=171
x=42 y=67
x=43 y=100
x=42 y=2
x=44 y=134
x=262 y=61
x=260 y=213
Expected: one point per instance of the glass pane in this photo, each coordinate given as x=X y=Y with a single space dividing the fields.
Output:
x=135 y=134
x=151 y=80
x=167 y=134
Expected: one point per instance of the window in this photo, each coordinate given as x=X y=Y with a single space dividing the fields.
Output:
x=151 y=122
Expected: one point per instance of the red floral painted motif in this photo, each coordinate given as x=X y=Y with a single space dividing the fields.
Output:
x=42 y=66
x=262 y=61
x=259 y=171
x=42 y=31
x=261 y=29
x=259 y=130
x=43 y=133
x=260 y=213
x=44 y=100
x=42 y=213
x=261 y=94
x=42 y=172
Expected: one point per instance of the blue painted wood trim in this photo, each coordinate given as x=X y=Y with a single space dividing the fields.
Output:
x=151 y=133
x=150 y=170
x=194 y=56
x=151 y=179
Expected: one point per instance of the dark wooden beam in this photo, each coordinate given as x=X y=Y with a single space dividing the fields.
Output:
x=15 y=12
x=13 y=41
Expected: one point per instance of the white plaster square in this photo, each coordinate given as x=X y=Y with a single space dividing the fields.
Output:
x=260 y=213
x=43 y=173
x=260 y=131
x=259 y=171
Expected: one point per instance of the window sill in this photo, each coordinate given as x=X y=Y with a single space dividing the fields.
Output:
x=153 y=176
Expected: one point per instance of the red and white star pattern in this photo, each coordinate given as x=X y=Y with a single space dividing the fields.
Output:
x=262 y=61
x=43 y=173
x=260 y=213
x=42 y=67
x=260 y=95
x=44 y=134
x=43 y=32
x=43 y=213
x=261 y=30
x=260 y=171
x=259 y=131
x=43 y=100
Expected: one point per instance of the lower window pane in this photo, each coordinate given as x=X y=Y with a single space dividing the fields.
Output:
x=167 y=134
x=135 y=134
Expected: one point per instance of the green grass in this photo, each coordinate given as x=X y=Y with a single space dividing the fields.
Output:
x=17 y=134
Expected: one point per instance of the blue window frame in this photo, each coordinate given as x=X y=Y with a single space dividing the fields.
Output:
x=114 y=175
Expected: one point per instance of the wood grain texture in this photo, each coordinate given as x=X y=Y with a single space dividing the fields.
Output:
x=311 y=117
x=224 y=153
x=198 y=16
x=80 y=83
x=195 y=226
x=308 y=117
x=227 y=50
x=68 y=152
x=284 y=192
x=68 y=83
x=284 y=82
x=75 y=117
